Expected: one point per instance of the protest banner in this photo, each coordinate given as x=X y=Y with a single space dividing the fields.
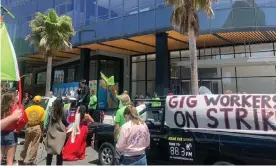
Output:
x=248 y=113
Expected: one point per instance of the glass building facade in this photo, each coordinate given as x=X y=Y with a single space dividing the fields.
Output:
x=107 y=20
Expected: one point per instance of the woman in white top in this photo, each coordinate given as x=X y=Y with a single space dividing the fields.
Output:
x=134 y=139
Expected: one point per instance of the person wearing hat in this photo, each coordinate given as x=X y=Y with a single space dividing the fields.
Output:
x=34 y=130
x=84 y=97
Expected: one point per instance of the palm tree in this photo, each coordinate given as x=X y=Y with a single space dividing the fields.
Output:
x=50 y=33
x=185 y=19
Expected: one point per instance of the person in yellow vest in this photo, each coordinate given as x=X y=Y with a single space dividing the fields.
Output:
x=35 y=115
x=155 y=102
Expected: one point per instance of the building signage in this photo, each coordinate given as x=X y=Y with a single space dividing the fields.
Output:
x=65 y=88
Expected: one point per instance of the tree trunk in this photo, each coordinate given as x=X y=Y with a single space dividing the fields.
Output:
x=49 y=75
x=193 y=60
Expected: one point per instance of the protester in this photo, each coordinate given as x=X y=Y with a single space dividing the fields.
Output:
x=8 y=136
x=93 y=102
x=120 y=120
x=155 y=102
x=52 y=98
x=76 y=143
x=84 y=96
x=26 y=100
x=56 y=133
x=119 y=97
x=134 y=139
x=34 y=130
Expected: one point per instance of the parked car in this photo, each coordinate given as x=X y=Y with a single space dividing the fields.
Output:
x=179 y=146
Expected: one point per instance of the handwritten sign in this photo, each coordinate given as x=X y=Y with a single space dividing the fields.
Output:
x=235 y=113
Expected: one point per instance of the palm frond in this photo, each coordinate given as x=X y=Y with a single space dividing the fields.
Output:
x=50 y=33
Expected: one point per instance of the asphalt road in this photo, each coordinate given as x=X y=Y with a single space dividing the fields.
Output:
x=91 y=157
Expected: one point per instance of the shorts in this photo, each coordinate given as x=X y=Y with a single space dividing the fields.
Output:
x=8 y=138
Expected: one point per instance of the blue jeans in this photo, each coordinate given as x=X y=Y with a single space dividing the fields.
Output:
x=134 y=160
x=8 y=138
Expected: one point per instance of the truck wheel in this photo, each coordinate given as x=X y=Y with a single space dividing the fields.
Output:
x=222 y=163
x=106 y=154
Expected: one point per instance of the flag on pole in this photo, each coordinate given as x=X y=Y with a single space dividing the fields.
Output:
x=109 y=81
x=9 y=66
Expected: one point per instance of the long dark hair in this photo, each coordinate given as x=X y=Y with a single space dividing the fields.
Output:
x=57 y=111
x=82 y=112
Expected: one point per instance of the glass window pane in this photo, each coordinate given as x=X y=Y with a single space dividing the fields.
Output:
x=93 y=70
x=159 y=3
x=242 y=49
x=79 y=13
x=150 y=87
x=138 y=71
x=222 y=4
x=227 y=50
x=222 y=19
x=41 y=78
x=261 y=47
x=248 y=71
x=69 y=8
x=151 y=70
x=175 y=70
x=185 y=72
x=60 y=9
x=228 y=71
x=150 y=57
x=116 y=8
x=130 y=7
x=90 y=12
x=209 y=72
x=243 y=3
x=229 y=84
x=71 y=75
x=262 y=54
x=174 y=54
x=265 y=2
x=59 y=76
x=146 y=5
x=138 y=88
x=257 y=85
x=139 y=58
x=240 y=17
x=103 y=9
x=186 y=53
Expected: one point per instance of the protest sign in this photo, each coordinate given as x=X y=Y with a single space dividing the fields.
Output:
x=248 y=113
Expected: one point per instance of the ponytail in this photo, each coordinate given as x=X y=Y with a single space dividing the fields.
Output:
x=132 y=112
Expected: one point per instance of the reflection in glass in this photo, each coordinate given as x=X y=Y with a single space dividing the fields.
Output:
x=150 y=87
x=241 y=15
x=257 y=85
x=79 y=13
x=90 y=12
x=138 y=71
x=116 y=8
x=229 y=84
x=151 y=66
x=266 y=16
x=130 y=7
x=249 y=71
x=138 y=87
x=222 y=4
x=103 y=9
x=58 y=76
x=146 y=5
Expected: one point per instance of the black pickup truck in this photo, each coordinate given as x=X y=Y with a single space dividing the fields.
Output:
x=178 y=146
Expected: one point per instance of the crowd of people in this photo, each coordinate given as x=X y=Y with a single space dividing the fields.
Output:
x=130 y=132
